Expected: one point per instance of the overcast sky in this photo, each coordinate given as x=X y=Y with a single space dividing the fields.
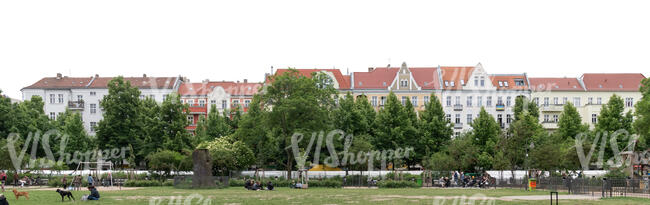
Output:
x=234 y=40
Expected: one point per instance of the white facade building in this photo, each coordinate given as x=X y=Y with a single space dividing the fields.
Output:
x=84 y=94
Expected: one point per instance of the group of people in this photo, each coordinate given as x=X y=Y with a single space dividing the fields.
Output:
x=256 y=186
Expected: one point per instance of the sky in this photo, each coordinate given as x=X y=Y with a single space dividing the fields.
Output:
x=236 y=40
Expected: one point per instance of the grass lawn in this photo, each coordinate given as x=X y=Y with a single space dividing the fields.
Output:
x=163 y=195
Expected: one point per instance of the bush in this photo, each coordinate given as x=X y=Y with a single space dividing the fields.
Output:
x=142 y=183
x=397 y=184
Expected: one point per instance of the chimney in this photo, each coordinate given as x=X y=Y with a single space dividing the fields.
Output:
x=245 y=80
x=144 y=75
x=370 y=69
x=58 y=75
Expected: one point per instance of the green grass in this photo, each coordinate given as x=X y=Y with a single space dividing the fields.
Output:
x=291 y=196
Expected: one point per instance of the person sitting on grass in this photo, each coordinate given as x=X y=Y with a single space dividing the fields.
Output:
x=269 y=186
x=94 y=194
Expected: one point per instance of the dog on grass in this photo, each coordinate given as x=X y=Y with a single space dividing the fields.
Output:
x=64 y=193
x=3 y=200
x=22 y=193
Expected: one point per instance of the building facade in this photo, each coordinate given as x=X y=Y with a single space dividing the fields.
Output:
x=83 y=94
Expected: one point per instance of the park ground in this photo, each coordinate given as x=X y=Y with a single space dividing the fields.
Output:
x=165 y=195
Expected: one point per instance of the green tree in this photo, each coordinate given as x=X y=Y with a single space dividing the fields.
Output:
x=122 y=125
x=642 y=112
x=299 y=105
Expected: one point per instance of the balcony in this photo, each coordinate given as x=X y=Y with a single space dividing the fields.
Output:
x=458 y=107
x=458 y=125
x=500 y=107
x=76 y=105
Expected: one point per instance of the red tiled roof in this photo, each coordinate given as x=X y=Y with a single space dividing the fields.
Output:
x=555 y=84
x=378 y=78
x=455 y=74
x=61 y=83
x=344 y=82
x=511 y=82
x=612 y=81
x=140 y=82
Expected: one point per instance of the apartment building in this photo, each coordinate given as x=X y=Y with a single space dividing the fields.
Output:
x=224 y=95
x=465 y=90
x=588 y=93
x=83 y=94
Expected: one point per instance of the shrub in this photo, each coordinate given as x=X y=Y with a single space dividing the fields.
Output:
x=397 y=184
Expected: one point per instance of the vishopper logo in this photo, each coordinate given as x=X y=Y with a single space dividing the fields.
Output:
x=604 y=138
x=193 y=199
x=476 y=199
x=347 y=157
x=33 y=139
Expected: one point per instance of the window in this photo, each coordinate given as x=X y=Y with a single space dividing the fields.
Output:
x=52 y=99
x=576 y=101
x=556 y=101
x=93 y=93
x=93 y=126
x=599 y=101
x=448 y=101
x=404 y=100
x=469 y=101
x=426 y=100
x=508 y=118
x=383 y=100
x=488 y=101
x=448 y=117
x=165 y=96
x=80 y=97
x=414 y=100
x=590 y=101
x=594 y=118
x=153 y=97
x=457 y=119
x=479 y=101
x=519 y=82
x=546 y=118
x=52 y=115
x=60 y=98
x=469 y=118
x=499 y=100
x=247 y=102
x=508 y=101
x=93 y=108
x=224 y=104
x=545 y=101
x=536 y=101
x=457 y=100
x=629 y=102
x=564 y=100
x=404 y=83
x=555 y=118
x=373 y=101
x=201 y=103
x=190 y=119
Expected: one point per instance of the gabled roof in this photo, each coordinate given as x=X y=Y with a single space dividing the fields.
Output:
x=555 y=84
x=507 y=82
x=378 y=78
x=60 y=83
x=454 y=75
x=612 y=81
x=344 y=82
x=426 y=77
x=140 y=82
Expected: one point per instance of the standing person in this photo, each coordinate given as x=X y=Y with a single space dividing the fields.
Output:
x=3 y=180
x=90 y=180
x=64 y=181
